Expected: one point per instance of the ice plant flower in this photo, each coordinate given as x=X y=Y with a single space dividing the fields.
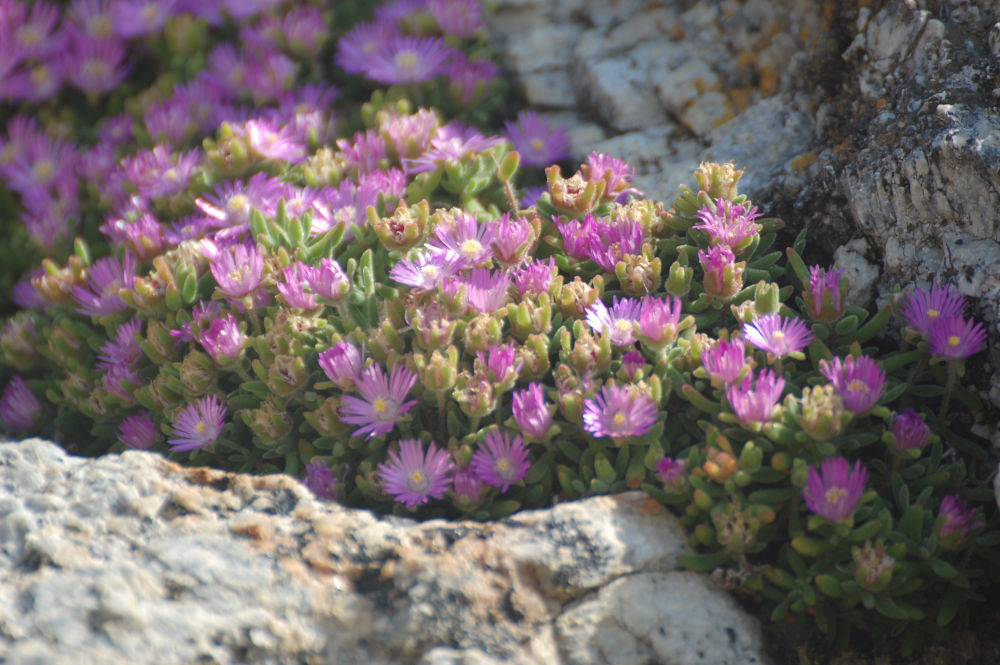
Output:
x=511 y=241
x=461 y=18
x=535 y=278
x=106 y=277
x=611 y=241
x=486 y=290
x=834 y=491
x=532 y=412
x=500 y=365
x=539 y=142
x=426 y=269
x=725 y=360
x=292 y=287
x=756 y=403
x=659 y=321
x=238 y=269
x=615 y=172
x=463 y=236
x=124 y=350
x=19 y=408
x=825 y=297
x=223 y=340
x=859 y=381
x=467 y=488
x=672 y=473
x=910 y=430
x=138 y=431
x=730 y=224
x=198 y=425
x=414 y=477
x=955 y=338
x=620 y=320
x=328 y=280
x=619 y=412
x=925 y=307
x=383 y=400
x=723 y=275
x=451 y=144
x=576 y=234
x=777 y=335
x=408 y=59
x=342 y=364
x=954 y=522
x=320 y=480
x=500 y=461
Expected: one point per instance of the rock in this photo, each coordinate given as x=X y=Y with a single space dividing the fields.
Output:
x=132 y=558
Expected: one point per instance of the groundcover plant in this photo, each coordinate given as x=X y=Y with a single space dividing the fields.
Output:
x=271 y=236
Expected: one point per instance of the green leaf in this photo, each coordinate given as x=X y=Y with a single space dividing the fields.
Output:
x=912 y=522
x=950 y=606
x=704 y=562
x=943 y=569
x=829 y=585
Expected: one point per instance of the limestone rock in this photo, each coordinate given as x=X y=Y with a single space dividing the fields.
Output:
x=132 y=558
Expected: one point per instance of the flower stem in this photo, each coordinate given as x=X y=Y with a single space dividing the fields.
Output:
x=948 y=387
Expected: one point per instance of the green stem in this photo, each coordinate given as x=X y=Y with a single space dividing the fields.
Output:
x=949 y=386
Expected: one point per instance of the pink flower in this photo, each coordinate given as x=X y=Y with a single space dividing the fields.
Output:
x=619 y=321
x=954 y=338
x=539 y=143
x=500 y=461
x=199 y=425
x=414 y=477
x=860 y=382
x=755 y=404
x=619 y=412
x=383 y=400
x=835 y=491
x=777 y=335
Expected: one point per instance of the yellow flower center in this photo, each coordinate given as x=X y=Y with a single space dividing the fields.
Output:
x=200 y=427
x=29 y=35
x=471 y=248
x=503 y=467
x=618 y=419
x=43 y=170
x=834 y=494
x=857 y=386
x=380 y=405
x=407 y=60
x=624 y=325
x=537 y=144
x=954 y=340
x=777 y=335
x=96 y=69
x=933 y=314
x=416 y=481
x=238 y=203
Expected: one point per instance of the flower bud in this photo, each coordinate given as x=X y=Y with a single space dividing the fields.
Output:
x=530 y=318
x=17 y=341
x=826 y=297
x=766 y=298
x=735 y=527
x=508 y=166
x=160 y=346
x=432 y=324
x=822 y=414
x=342 y=364
x=673 y=474
x=590 y=354
x=405 y=229
x=720 y=465
x=575 y=197
x=577 y=296
x=873 y=566
x=534 y=356
x=638 y=275
x=325 y=419
x=723 y=275
x=19 y=408
x=467 y=489
x=751 y=457
x=482 y=332
x=475 y=395
x=286 y=374
x=909 y=431
x=269 y=423
x=439 y=372
x=197 y=374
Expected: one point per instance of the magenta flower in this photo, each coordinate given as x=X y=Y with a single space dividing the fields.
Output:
x=292 y=287
x=465 y=237
x=407 y=59
x=356 y=48
x=835 y=491
x=925 y=307
x=616 y=172
x=413 y=477
x=619 y=412
x=409 y=135
x=467 y=487
x=954 y=338
x=658 y=320
x=383 y=400
x=535 y=278
x=620 y=321
x=777 y=335
x=539 y=142
x=511 y=240
x=342 y=364
x=124 y=350
x=198 y=425
x=329 y=280
x=611 y=241
x=825 y=296
x=576 y=235
x=954 y=522
x=725 y=360
x=532 y=413
x=426 y=270
x=223 y=340
x=138 y=431
x=238 y=269
x=160 y=172
x=860 y=382
x=468 y=80
x=486 y=290
x=723 y=275
x=457 y=17
x=910 y=430
x=500 y=365
x=19 y=408
x=500 y=461
x=135 y=18
x=730 y=224
x=320 y=480
x=272 y=140
x=452 y=143
x=755 y=404
x=672 y=473
x=100 y=65
x=105 y=279
x=366 y=153
x=632 y=362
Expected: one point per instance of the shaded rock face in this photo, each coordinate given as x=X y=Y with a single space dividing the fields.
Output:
x=874 y=123
x=132 y=558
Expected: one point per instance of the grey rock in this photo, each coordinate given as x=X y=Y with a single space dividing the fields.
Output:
x=132 y=558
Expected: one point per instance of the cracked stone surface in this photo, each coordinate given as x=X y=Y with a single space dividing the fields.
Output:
x=132 y=558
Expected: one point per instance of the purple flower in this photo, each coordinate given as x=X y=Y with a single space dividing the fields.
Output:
x=223 y=340
x=511 y=240
x=272 y=140
x=135 y=18
x=465 y=237
x=159 y=172
x=138 y=431
x=632 y=362
x=611 y=241
x=342 y=364
x=532 y=413
x=383 y=399
x=732 y=225
x=620 y=320
x=723 y=276
x=426 y=270
x=860 y=382
x=452 y=143
x=755 y=404
x=457 y=17
x=500 y=365
x=500 y=461
x=777 y=335
x=486 y=290
x=910 y=430
x=19 y=408
x=659 y=320
x=292 y=287
x=672 y=472
x=320 y=480
x=231 y=203
x=468 y=80
x=954 y=522
x=619 y=412
x=467 y=487
x=413 y=477
x=835 y=491
x=100 y=65
x=198 y=425
x=124 y=350
x=725 y=360
x=410 y=134
x=539 y=143
x=954 y=337
x=357 y=47
x=407 y=59
x=535 y=278
x=824 y=299
x=924 y=307
x=104 y=280
x=576 y=234
x=238 y=269
x=616 y=172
